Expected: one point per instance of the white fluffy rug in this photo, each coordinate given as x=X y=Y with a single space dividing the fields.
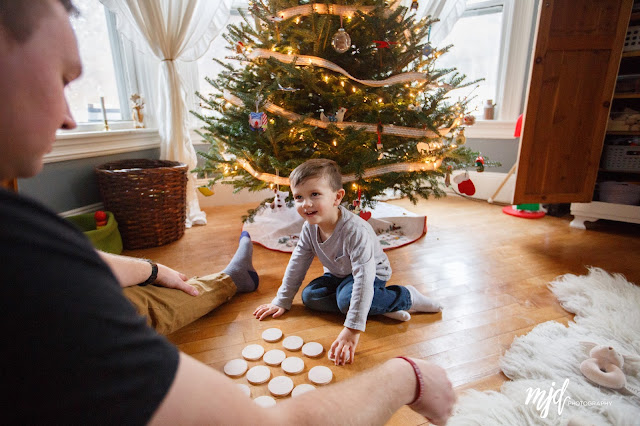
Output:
x=607 y=309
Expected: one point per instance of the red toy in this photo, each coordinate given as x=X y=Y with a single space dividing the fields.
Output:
x=101 y=219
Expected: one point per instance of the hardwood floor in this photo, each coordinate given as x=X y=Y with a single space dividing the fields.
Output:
x=490 y=271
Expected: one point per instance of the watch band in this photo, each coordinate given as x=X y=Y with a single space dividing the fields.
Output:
x=154 y=273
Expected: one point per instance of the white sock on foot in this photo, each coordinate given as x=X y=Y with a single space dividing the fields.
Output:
x=421 y=303
x=398 y=315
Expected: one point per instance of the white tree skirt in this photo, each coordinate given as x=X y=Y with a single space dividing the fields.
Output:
x=279 y=229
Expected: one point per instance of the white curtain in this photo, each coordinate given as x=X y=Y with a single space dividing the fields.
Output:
x=173 y=30
x=448 y=11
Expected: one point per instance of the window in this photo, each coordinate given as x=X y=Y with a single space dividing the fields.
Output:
x=103 y=74
x=207 y=67
x=492 y=40
x=476 y=39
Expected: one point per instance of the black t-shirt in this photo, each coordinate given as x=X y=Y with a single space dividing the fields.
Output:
x=74 y=349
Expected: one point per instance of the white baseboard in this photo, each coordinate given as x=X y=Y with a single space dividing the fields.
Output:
x=486 y=184
x=82 y=210
x=224 y=196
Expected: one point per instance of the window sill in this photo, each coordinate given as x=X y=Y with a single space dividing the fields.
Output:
x=76 y=145
x=491 y=129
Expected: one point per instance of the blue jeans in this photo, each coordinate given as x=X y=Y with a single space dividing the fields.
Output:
x=329 y=293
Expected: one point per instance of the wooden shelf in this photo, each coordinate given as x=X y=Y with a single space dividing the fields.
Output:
x=635 y=16
x=633 y=53
x=619 y=171
x=623 y=132
x=626 y=96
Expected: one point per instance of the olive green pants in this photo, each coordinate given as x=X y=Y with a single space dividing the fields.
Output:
x=168 y=309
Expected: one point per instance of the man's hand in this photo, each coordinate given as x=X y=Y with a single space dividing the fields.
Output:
x=438 y=398
x=170 y=278
x=267 y=309
x=343 y=350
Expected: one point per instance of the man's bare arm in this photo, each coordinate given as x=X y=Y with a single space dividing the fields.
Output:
x=132 y=271
x=202 y=395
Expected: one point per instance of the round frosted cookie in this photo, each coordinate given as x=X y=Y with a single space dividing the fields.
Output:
x=265 y=401
x=253 y=352
x=258 y=374
x=245 y=389
x=303 y=388
x=320 y=375
x=280 y=386
x=272 y=335
x=274 y=357
x=292 y=365
x=235 y=367
x=292 y=343
x=312 y=349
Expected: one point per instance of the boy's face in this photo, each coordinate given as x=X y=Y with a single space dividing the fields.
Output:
x=316 y=202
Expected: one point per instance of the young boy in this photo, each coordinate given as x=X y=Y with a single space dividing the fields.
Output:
x=356 y=268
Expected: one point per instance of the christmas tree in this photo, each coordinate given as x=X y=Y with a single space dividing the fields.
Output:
x=354 y=81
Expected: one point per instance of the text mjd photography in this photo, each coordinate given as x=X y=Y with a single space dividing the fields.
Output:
x=543 y=399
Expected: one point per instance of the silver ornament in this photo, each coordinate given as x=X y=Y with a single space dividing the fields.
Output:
x=341 y=41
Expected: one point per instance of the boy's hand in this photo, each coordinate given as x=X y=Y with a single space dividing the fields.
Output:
x=343 y=350
x=265 y=310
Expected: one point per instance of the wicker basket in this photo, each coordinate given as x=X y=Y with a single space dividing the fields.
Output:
x=147 y=198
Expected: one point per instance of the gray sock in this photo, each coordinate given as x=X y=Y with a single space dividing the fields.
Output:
x=240 y=269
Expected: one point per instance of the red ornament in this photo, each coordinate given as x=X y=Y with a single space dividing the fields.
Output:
x=465 y=186
x=365 y=215
x=380 y=44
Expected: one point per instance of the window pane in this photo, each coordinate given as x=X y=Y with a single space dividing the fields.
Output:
x=476 y=53
x=207 y=67
x=98 y=75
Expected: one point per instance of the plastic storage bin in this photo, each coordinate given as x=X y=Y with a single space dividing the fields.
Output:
x=107 y=238
x=621 y=158
x=619 y=193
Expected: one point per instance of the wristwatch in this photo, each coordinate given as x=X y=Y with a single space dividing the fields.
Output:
x=154 y=273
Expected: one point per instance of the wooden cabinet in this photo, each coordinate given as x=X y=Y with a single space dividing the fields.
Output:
x=618 y=182
x=578 y=48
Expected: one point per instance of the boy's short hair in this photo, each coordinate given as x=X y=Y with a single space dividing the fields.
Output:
x=315 y=168
x=20 y=18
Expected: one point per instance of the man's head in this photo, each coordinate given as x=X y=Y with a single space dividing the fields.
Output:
x=38 y=58
x=317 y=168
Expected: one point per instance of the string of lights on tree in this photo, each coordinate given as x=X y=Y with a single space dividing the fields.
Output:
x=355 y=82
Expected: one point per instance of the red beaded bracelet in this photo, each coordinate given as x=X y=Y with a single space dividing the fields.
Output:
x=419 y=380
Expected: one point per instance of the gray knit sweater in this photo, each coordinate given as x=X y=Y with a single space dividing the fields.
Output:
x=352 y=248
